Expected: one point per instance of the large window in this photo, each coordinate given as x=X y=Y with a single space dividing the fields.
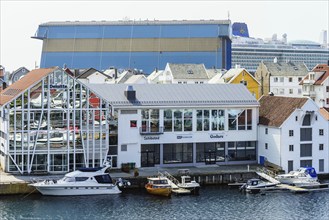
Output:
x=150 y=120
x=178 y=153
x=242 y=150
x=167 y=120
x=217 y=120
x=306 y=134
x=202 y=120
x=306 y=150
x=305 y=163
x=210 y=152
x=240 y=119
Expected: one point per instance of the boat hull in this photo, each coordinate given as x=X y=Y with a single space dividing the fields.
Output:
x=159 y=191
x=77 y=190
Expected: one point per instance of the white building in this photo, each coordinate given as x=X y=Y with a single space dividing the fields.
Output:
x=176 y=125
x=181 y=74
x=281 y=78
x=92 y=75
x=316 y=85
x=292 y=133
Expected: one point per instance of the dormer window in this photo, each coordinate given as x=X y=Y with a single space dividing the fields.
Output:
x=311 y=76
x=189 y=71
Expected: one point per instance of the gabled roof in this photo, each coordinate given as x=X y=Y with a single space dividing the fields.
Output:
x=90 y=72
x=177 y=94
x=21 y=85
x=274 y=110
x=188 y=71
x=325 y=113
x=286 y=68
x=135 y=79
x=233 y=73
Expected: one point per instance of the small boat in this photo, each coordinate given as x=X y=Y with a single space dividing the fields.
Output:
x=256 y=185
x=189 y=184
x=302 y=177
x=86 y=181
x=158 y=186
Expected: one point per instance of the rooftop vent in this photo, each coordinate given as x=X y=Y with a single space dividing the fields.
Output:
x=190 y=71
x=130 y=93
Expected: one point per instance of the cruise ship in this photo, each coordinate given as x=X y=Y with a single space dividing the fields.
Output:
x=249 y=52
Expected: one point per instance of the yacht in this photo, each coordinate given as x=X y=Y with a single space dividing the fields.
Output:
x=86 y=181
x=189 y=184
x=256 y=185
x=158 y=186
x=304 y=176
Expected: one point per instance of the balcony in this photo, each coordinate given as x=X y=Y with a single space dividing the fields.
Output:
x=150 y=130
x=309 y=93
x=308 y=81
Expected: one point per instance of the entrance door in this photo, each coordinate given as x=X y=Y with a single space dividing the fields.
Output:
x=148 y=159
x=210 y=157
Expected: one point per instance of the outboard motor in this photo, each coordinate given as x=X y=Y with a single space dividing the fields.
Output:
x=123 y=183
x=243 y=187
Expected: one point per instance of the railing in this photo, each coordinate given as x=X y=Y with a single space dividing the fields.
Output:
x=150 y=130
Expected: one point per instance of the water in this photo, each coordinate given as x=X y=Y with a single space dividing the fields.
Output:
x=214 y=202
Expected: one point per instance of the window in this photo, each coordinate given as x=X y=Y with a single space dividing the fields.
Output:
x=266 y=146
x=276 y=79
x=244 y=82
x=305 y=163
x=291 y=147
x=290 y=79
x=296 y=118
x=299 y=91
x=281 y=79
x=291 y=91
x=290 y=165
x=306 y=150
x=291 y=133
x=299 y=79
x=321 y=132
x=150 y=120
x=281 y=91
x=167 y=120
x=133 y=123
x=307 y=120
x=321 y=165
x=266 y=130
x=178 y=153
x=306 y=134
x=320 y=146
x=327 y=88
x=124 y=147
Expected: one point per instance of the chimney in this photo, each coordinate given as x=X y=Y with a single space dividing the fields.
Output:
x=115 y=73
x=76 y=72
x=130 y=93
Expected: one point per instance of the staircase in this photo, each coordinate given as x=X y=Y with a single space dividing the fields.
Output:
x=172 y=180
x=267 y=174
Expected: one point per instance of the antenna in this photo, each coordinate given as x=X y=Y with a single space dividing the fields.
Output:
x=228 y=15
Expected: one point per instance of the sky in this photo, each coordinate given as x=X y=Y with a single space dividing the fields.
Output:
x=19 y=20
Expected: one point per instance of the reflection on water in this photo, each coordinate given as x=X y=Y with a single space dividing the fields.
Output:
x=214 y=202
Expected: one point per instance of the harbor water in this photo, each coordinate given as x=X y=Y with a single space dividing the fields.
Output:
x=214 y=202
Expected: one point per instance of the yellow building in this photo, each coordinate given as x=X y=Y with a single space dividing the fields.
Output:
x=239 y=75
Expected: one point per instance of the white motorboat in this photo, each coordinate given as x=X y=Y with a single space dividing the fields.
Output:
x=302 y=177
x=86 y=181
x=256 y=185
x=189 y=184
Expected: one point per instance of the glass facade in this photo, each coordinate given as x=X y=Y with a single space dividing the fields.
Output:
x=57 y=125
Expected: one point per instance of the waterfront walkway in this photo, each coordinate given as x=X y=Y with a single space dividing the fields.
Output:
x=6 y=178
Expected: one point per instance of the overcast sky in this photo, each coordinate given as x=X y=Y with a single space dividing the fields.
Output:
x=301 y=20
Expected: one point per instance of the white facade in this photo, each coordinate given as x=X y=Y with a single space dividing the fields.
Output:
x=286 y=86
x=283 y=145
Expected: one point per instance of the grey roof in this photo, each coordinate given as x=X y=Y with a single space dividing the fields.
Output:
x=286 y=68
x=134 y=22
x=90 y=72
x=188 y=71
x=176 y=94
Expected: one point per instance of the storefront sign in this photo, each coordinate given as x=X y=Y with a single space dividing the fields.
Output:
x=149 y=138
x=58 y=86
x=216 y=135
x=183 y=136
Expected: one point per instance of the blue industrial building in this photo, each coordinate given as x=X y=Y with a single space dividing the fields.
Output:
x=144 y=45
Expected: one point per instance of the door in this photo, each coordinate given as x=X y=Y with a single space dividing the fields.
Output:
x=148 y=158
